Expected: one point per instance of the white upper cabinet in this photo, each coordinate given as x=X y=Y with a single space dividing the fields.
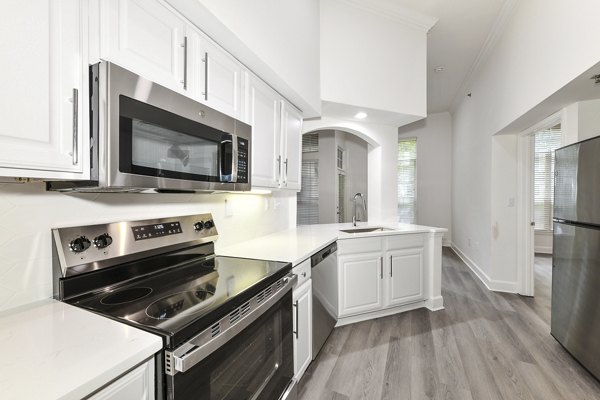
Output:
x=222 y=80
x=263 y=114
x=145 y=37
x=44 y=89
x=291 y=126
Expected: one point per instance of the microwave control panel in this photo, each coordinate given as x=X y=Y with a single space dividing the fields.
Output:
x=242 y=173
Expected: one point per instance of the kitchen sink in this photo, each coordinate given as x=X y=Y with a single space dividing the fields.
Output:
x=366 y=230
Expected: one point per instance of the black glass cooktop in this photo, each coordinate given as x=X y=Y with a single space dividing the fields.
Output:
x=186 y=298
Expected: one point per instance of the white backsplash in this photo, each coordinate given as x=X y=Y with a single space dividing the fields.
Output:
x=28 y=212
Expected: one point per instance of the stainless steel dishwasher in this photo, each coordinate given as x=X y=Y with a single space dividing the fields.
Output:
x=325 y=295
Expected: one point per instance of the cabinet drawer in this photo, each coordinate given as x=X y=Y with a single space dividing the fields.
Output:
x=362 y=245
x=303 y=271
x=397 y=242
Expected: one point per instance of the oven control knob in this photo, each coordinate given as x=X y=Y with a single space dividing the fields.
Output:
x=209 y=224
x=80 y=244
x=103 y=241
x=198 y=226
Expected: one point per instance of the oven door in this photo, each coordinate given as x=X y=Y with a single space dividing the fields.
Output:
x=253 y=361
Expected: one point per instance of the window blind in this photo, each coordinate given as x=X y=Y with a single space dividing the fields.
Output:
x=407 y=180
x=546 y=141
x=341 y=197
x=308 y=198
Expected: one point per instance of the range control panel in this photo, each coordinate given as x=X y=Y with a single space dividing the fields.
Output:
x=85 y=246
x=143 y=232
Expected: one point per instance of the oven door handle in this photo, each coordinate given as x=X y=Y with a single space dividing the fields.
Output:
x=204 y=344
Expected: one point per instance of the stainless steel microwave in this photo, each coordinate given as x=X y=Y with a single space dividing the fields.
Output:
x=147 y=138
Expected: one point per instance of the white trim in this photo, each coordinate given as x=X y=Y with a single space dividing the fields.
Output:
x=397 y=13
x=435 y=303
x=382 y=313
x=525 y=232
x=490 y=42
x=543 y=249
x=546 y=123
x=490 y=284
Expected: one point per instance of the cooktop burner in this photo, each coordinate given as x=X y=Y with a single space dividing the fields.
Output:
x=125 y=296
x=178 y=303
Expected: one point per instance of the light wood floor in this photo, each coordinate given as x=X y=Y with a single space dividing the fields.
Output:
x=484 y=345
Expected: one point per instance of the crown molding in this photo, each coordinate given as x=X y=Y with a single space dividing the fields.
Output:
x=390 y=10
x=490 y=42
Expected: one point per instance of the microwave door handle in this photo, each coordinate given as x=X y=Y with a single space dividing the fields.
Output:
x=223 y=172
x=234 y=158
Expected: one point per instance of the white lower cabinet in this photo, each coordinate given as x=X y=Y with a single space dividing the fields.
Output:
x=302 y=298
x=360 y=278
x=406 y=276
x=379 y=273
x=135 y=385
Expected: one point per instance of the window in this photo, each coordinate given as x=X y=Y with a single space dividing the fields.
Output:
x=340 y=158
x=341 y=209
x=546 y=141
x=308 y=198
x=407 y=180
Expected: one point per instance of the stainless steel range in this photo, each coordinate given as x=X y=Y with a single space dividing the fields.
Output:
x=226 y=323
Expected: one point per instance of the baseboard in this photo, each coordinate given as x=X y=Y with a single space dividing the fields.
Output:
x=491 y=284
x=381 y=313
x=543 y=249
x=435 y=303
x=446 y=242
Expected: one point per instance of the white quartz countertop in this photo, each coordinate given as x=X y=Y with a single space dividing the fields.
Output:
x=297 y=244
x=52 y=350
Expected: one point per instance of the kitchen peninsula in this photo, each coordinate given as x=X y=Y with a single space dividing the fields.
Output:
x=382 y=269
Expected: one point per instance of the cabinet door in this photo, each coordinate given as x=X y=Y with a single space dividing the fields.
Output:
x=291 y=121
x=135 y=385
x=222 y=79
x=360 y=284
x=302 y=298
x=406 y=276
x=43 y=91
x=263 y=111
x=145 y=37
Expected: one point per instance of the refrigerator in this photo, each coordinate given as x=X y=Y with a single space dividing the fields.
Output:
x=575 y=317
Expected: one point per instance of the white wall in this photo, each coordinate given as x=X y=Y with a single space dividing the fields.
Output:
x=520 y=73
x=28 y=212
x=371 y=61
x=581 y=121
x=277 y=39
x=434 y=170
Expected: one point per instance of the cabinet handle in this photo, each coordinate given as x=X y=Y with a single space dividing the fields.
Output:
x=75 y=126
x=286 y=170
x=297 y=320
x=381 y=268
x=391 y=268
x=185 y=61
x=205 y=60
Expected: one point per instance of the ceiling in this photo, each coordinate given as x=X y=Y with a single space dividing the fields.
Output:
x=458 y=42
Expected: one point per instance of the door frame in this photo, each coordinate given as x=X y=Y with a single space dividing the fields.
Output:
x=525 y=206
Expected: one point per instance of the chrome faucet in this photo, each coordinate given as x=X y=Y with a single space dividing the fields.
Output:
x=354 y=219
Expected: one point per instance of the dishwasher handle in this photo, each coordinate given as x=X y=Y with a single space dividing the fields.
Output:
x=323 y=254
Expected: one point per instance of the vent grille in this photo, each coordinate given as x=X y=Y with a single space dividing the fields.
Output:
x=234 y=316
x=215 y=329
x=245 y=308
